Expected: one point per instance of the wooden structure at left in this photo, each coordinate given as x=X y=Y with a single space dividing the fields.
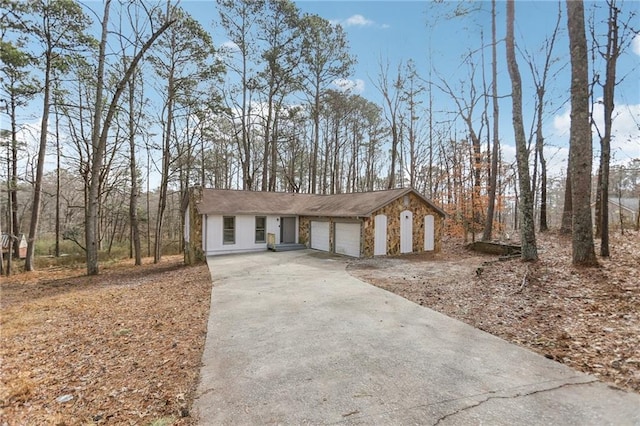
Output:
x=7 y=242
x=391 y=222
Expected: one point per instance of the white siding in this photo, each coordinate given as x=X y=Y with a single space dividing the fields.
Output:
x=245 y=226
x=320 y=235
x=347 y=239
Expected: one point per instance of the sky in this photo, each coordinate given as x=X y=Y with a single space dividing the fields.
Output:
x=396 y=31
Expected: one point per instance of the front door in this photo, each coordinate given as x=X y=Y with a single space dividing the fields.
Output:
x=287 y=230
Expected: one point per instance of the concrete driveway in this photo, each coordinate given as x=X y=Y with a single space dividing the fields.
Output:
x=294 y=339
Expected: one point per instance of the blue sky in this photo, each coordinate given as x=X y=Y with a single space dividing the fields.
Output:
x=396 y=31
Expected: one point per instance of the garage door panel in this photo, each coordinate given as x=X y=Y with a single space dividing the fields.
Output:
x=320 y=235
x=347 y=239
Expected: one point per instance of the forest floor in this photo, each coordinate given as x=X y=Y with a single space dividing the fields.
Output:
x=123 y=347
x=586 y=318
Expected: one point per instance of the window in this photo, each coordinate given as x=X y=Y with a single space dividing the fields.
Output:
x=229 y=230
x=261 y=227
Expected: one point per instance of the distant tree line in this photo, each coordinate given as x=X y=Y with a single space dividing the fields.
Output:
x=138 y=90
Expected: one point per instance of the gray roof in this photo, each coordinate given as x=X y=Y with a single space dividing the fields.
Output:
x=360 y=204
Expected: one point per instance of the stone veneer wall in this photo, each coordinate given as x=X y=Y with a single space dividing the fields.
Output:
x=304 y=229
x=392 y=211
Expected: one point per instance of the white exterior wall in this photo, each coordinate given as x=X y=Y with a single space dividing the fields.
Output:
x=245 y=234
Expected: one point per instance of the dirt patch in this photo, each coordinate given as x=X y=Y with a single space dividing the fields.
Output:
x=586 y=318
x=124 y=347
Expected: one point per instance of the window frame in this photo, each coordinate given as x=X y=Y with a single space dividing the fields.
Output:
x=263 y=229
x=225 y=230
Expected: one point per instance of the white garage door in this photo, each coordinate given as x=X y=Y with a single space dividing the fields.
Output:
x=320 y=235
x=348 y=239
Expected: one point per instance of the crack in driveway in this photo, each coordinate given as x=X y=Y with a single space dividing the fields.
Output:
x=517 y=395
x=362 y=416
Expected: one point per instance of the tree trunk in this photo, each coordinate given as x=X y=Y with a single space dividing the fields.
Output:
x=42 y=149
x=164 y=179
x=313 y=170
x=543 y=162
x=580 y=139
x=567 y=210
x=99 y=139
x=267 y=141
x=598 y=204
x=637 y=228
x=13 y=198
x=613 y=51
x=91 y=220
x=133 y=168
x=621 y=216
x=527 y=228
x=493 y=174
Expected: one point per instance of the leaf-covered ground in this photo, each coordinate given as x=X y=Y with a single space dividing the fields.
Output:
x=588 y=319
x=123 y=347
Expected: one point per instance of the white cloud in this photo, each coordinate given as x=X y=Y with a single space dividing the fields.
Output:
x=562 y=123
x=229 y=47
x=348 y=85
x=556 y=158
x=357 y=21
x=635 y=44
x=625 y=140
x=508 y=153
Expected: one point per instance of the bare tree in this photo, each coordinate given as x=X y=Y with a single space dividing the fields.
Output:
x=391 y=87
x=495 y=151
x=100 y=133
x=540 y=79
x=527 y=228
x=412 y=90
x=615 y=44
